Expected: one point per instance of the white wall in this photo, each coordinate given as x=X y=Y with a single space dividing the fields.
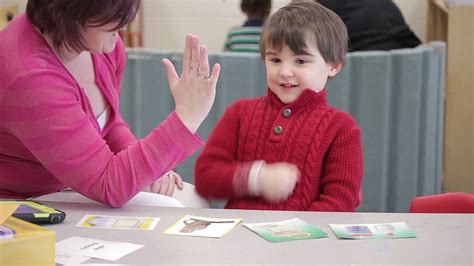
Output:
x=21 y=3
x=166 y=22
x=415 y=13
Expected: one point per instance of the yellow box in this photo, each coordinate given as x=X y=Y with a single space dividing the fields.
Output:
x=31 y=245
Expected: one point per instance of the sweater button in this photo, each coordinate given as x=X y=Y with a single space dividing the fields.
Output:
x=278 y=130
x=287 y=112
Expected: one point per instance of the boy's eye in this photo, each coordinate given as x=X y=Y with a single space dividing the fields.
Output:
x=275 y=60
x=301 y=61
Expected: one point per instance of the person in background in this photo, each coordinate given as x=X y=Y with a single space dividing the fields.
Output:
x=61 y=68
x=373 y=24
x=247 y=37
x=289 y=150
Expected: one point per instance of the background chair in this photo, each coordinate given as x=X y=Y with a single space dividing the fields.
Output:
x=456 y=202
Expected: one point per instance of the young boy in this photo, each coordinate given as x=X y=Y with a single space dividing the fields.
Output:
x=289 y=150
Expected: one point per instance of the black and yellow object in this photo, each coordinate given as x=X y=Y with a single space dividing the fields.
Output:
x=30 y=245
x=35 y=212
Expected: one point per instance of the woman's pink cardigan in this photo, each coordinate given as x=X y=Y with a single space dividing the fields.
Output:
x=50 y=138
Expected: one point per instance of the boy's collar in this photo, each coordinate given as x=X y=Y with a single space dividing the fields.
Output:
x=307 y=97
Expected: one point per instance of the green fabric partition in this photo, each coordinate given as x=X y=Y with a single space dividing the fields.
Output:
x=395 y=96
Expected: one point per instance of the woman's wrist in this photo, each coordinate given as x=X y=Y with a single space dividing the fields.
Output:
x=190 y=123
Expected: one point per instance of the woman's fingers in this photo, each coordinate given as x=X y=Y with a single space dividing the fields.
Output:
x=193 y=92
x=187 y=54
x=195 y=57
x=216 y=70
x=179 y=181
x=155 y=186
x=170 y=71
x=175 y=180
x=168 y=188
x=203 y=63
x=165 y=184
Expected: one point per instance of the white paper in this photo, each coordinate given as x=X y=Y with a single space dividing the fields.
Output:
x=141 y=199
x=96 y=248
x=66 y=258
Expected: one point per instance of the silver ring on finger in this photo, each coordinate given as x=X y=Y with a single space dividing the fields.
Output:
x=203 y=76
x=195 y=69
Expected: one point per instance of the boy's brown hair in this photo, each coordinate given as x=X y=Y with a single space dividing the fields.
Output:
x=299 y=22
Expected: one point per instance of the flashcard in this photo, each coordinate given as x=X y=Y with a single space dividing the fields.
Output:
x=288 y=230
x=118 y=222
x=202 y=226
x=373 y=231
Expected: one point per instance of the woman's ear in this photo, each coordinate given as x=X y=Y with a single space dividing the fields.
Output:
x=335 y=68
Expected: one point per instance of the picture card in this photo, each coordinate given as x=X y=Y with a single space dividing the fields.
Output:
x=202 y=226
x=288 y=230
x=373 y=231
x=118 y=222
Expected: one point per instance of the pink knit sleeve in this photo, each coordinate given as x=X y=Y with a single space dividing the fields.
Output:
x=119 y=136
x=342 y=172
x=47 y=117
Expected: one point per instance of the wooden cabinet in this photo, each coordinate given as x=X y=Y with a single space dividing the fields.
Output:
x=455 y=25
x=7 y=13
x=133 y=34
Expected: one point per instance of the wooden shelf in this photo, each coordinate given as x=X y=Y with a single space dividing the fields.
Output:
x=7 y=13
x=133 y=34
x=454 y=25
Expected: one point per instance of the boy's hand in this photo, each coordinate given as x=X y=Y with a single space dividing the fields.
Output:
x=166 y=184
x=277 y=181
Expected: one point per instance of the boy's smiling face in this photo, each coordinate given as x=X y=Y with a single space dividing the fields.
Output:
x=288 y=74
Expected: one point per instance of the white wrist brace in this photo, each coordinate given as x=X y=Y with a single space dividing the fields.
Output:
x=253 y=184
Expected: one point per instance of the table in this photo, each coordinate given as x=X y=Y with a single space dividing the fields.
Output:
x=443 y=239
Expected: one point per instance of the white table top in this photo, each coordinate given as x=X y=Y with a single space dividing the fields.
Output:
x=443 y=239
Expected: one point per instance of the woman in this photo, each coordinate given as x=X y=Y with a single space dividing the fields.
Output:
x=61 y=67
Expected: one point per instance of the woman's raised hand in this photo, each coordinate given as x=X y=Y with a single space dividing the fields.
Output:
x=194 y=92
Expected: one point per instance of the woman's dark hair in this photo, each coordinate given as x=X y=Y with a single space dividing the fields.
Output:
x=63 y=19
x=256 y=8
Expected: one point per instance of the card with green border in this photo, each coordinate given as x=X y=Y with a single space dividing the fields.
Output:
x=287 y=230
x=373 y=231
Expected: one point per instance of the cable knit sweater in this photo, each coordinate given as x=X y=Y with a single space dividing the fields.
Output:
x=323 y=142
x=50 y=138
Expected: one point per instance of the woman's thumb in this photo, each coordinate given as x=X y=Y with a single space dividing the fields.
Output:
x=170 y=71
